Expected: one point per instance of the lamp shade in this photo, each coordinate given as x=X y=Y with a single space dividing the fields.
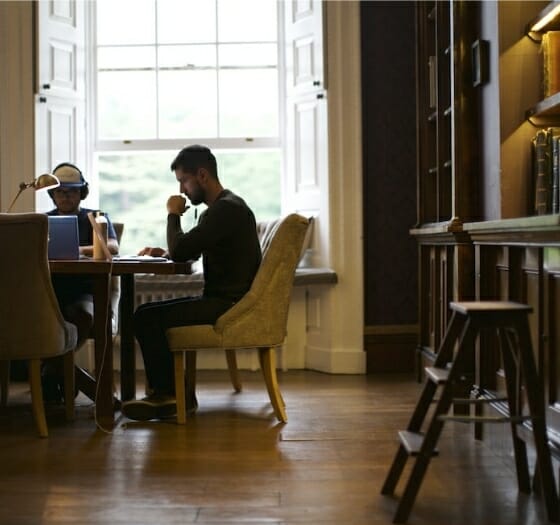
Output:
x=45 y=181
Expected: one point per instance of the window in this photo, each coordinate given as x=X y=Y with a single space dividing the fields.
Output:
x=184 y=72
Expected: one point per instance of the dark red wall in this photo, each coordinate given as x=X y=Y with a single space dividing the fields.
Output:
x=389 y=131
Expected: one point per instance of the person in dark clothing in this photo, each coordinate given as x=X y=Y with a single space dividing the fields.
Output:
x=74 y=292
x=226 y=237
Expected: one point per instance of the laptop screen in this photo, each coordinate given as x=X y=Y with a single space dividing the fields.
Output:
x=64 y=240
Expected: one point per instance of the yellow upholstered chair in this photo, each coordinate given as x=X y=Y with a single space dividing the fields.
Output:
x=258 y=320
x=32 y=327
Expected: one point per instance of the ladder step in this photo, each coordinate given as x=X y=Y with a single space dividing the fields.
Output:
x=437 y=375
x=412 y=442
x=478 y=400
x=484 y=419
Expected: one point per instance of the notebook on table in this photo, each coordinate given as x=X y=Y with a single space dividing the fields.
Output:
x=140 y=258
x=64 y=239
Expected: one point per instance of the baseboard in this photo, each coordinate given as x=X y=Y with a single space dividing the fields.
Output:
x=336 y=361
x=390 y=348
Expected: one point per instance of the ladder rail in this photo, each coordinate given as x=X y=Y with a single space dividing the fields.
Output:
x=468 y=318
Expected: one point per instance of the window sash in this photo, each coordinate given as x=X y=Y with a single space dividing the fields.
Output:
x=239 y=143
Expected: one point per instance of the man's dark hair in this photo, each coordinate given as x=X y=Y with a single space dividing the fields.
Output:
x=194 y=157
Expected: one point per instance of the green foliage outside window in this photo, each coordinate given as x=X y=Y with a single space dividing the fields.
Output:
x=134 y=189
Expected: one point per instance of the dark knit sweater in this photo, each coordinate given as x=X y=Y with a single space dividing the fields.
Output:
x=226 y=237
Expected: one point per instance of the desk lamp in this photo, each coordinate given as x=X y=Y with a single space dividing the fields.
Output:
x=45 y=181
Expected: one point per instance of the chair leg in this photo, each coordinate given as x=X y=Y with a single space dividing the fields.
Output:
x=268 y=367
x=69 y=384
x=179 y=365
x=190 y=381
x=231 y=358
x=4 y=382
x=37 y=397
x=85 y=382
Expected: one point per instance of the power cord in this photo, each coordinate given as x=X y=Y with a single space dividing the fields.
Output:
x=109 y=257
x=104 y=355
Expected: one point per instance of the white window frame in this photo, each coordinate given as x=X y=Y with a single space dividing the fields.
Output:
x=140 y=145
x=333 y=331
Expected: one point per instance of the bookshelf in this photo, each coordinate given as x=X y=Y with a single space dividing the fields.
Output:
x=434 y=111
x=478 y=234
x=515 y=254
x=447 y=164
x=545 y=112
x=446 y=113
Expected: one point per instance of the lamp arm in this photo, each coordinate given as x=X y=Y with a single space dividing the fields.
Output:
x=22 y=187
x=43 y=182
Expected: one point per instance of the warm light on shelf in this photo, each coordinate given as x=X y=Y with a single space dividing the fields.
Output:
x=545 y=20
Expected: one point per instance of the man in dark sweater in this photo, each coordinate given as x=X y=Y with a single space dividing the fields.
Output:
x=226 y=237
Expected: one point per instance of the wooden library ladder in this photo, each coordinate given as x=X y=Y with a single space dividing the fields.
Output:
x=468 y=319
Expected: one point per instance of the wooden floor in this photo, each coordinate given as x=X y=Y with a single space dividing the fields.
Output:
x=232 y=463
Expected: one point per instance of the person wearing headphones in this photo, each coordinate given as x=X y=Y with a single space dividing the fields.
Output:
x=74 y=292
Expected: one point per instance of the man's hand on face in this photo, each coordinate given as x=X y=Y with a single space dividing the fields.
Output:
x=177 y=205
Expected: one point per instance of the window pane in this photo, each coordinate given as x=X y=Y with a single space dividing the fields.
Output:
x=197 y=90
x=126 y=57
x=187 y=104
x=255 y=176
x=126 y=105
x=247 y=21
x=194 y=56
x=134 y=189
x=237 y=55
x=248 y=103
x=125 y=22
x=184 y=22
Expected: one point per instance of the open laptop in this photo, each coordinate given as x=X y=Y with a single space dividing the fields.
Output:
x=64 y=239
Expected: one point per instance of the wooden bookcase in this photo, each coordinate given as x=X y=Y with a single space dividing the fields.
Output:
x=447 y=112
x=517 y=256
x=447 y=164
x=477 y=233
x=434 y=111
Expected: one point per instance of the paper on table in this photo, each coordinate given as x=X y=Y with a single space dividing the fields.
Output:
x=140 y=258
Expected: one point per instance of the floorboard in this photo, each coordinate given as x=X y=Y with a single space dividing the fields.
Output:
x=234 y=464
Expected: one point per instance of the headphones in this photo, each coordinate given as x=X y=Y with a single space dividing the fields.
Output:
x=84 y=188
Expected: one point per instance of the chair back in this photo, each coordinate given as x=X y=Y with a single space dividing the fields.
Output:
x=119 y=228
x=31 y=324
x=260 y=317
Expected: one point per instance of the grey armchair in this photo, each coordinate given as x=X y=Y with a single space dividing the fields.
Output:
x=32 y=327
x=258 y=320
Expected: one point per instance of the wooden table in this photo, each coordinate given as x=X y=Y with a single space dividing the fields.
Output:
x=101 y=272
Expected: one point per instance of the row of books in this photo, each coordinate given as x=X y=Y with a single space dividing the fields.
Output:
x=546 y=162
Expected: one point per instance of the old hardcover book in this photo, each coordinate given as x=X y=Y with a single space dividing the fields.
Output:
x=555 y=172
x=551 y=62
x=543 y=183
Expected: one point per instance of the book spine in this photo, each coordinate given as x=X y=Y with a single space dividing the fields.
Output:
x=555 y=173
x=544 y=64
x=432 y=78
x=550 y=47
x=542 y=178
